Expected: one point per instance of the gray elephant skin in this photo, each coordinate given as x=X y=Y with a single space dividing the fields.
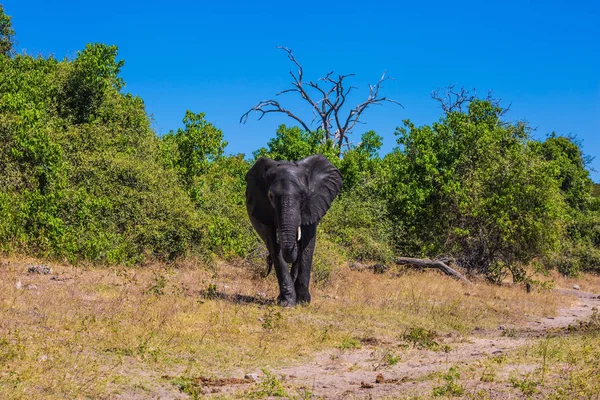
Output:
x=285 y=202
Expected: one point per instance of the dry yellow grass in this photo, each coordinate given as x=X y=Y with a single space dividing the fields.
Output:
x=91 y=332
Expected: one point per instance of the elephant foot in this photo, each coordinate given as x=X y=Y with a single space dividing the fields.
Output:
x=286 y=302
x=303 y=298
x=287 y=298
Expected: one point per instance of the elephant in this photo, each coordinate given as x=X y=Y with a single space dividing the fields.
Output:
x=285 y=201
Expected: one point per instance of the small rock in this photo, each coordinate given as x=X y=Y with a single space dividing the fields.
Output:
x=357 y=266
x=262 y=295
x=576 y=287
x=43 y=357
x=18 y=285
x=39 y=269
x=253 y=377
x=380 y=268
x=365 y=385
x=31 y=287
x=369 y=340
x=379 y=378
x=501 y=328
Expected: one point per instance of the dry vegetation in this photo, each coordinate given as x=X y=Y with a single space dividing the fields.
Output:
x=137 y=333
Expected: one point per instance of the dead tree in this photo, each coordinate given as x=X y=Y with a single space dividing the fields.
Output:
x=437 y=264
x=452 y=99
x=331 y=95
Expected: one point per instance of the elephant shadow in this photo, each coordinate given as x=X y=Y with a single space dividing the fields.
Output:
x=237 y=298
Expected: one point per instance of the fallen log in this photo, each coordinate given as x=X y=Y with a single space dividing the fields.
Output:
x=437 y=264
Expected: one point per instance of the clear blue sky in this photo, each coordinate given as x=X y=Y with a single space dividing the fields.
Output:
x=221 y=57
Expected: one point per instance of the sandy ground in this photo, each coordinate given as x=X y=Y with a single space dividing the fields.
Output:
x=360 y=374
x=363 y=374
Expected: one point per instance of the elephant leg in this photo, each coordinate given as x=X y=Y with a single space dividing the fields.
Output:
x=304 y=263
x=287 y=293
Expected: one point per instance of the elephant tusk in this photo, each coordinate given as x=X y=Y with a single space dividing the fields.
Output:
x=277 y=237
x=299 y=233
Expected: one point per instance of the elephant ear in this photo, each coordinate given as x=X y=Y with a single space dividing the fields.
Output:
x=257 y=202
x=324 y=184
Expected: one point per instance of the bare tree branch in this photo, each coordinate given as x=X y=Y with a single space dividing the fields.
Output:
x=438 y=264
x=456 y=99
x=327 y=110
x=262 y=108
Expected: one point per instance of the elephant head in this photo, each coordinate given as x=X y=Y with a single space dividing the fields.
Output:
x=286 y=199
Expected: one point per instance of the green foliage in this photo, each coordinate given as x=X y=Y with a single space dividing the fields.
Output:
x=295 y=144
x=83 y=177
x=81 y=173
x=220 y=199
x=472 y=187
x=269 y=386
x=349 y=344
x=360 y=225
x=6 y=33
x=568 y=166
x=452 y=386
x=526 y=384
x=361 y=164
x=358 y=220
x=271 y=318
x=158 y=286
x=390 y=358
x=88 y=80
x=421 y=338
x=580 y=247
x=326 y=258
x=191 y=150
x=188 y=386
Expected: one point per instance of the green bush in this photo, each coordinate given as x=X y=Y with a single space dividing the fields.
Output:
x=83 y=177
x=221 y=201
x=360 y=226
x=472 y=187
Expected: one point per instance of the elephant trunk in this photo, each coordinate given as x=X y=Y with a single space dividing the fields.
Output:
x=289 y=232
x=289 y=245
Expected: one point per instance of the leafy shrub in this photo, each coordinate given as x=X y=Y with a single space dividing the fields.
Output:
x=269 y=386
x=421 y=338
x=325 y=259
x=84 y=177
x=360 y=226
x=471 y=186
x=452 y=386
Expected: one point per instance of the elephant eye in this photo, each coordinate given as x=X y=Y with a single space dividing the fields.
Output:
x=270 y=196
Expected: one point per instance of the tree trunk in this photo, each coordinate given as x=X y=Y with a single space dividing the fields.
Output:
x=438 y=264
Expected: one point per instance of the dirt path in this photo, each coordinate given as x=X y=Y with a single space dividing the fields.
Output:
x=354 y=373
